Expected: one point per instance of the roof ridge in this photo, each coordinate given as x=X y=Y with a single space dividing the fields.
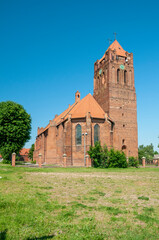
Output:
x=71 y=107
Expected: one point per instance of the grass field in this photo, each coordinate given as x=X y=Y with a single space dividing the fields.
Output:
x=79 y=203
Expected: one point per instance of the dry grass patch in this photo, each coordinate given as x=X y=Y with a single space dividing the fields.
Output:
x=79 y=203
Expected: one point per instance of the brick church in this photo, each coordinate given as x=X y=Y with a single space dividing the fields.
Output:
x=109 y=116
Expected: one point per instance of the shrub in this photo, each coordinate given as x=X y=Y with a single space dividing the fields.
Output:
x=133 y=162
x=103 y=158
x=33 y=162
x=99 y=155
x=117 y=159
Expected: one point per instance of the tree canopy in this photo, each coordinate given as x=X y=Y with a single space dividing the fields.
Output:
x=146 y=151
x=15 y=128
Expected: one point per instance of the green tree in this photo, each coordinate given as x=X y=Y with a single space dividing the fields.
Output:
x=30 y=155
x=15 y=128
x=146 y=151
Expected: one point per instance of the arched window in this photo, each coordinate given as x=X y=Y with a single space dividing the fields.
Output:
x=125 y=73
x=78 y=134
x=118 y=71
x=96 y=133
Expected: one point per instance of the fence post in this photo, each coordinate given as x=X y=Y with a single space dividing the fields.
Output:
x=143 y=162
x=64 y=160
x=13 y=159
x=87 y=160
x=40 y=156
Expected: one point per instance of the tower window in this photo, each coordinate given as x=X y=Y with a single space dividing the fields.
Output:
x=96 y=133
x=78 y=134
x=118 y=71
x=125 y=73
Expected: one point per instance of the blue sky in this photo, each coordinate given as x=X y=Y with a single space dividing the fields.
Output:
x=48 y=49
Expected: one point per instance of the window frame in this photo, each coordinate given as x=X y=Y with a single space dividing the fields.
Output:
x=76 y=137
x=98 y=133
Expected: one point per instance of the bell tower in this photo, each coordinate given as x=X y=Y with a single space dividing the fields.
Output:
x=114 y=90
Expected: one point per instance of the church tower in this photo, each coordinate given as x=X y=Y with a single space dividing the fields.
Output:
x=114 y=90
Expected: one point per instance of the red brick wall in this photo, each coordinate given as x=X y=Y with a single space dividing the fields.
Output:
x=118 y=99
x=59 y=140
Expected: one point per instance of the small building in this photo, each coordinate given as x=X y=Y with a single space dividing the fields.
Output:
x=23 y=154
x=155 y=158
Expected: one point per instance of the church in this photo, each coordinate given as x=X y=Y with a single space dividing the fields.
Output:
x=109 y=116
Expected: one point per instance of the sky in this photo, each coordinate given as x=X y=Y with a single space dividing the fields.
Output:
x=48 y=49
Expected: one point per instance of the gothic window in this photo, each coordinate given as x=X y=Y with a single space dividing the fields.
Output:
x=125 y=73
x=118 y=71
x=78 y=134
x=96 y=133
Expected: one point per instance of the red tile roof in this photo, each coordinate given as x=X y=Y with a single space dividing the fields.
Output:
x=117 y=47
x=24 y=151
x=87 y=104
x=119 y=50
x=79 y=110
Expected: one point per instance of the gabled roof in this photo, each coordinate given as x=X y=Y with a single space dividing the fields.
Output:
x=79 y=110
x=119 y=50
x=65 y=113
x=87 y=104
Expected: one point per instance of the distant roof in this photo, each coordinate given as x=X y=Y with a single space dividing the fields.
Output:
x=119 y=50
x=24 y=151
x=79 y=110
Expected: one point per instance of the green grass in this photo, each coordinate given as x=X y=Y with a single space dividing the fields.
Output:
x=143 y=198
x=79 y=203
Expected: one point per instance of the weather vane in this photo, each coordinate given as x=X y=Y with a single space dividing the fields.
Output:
x=115 y=35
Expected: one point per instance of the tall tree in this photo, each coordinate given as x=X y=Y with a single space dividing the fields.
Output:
x=15 y=128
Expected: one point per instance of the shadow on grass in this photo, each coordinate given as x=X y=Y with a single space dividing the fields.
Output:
x=41 y=238
x=3 y=235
